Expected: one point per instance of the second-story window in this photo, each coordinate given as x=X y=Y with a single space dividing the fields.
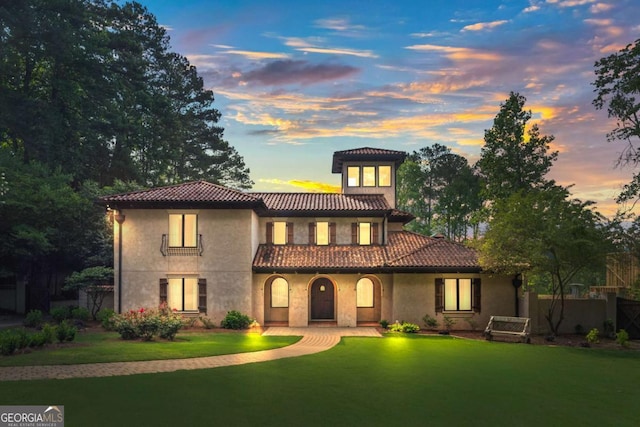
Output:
x=353 y=176
x=280 y=233
x=183 y=230
x=364 y=233
x=322 y=233
x=368 y=176
x=384 y=176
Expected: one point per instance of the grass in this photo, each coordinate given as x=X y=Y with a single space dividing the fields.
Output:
x=96 y=347
x=394 y=381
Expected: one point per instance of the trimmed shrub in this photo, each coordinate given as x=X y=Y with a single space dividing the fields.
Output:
x=106 y=319
x=33 y=319
x=622 y=338
x=236 y=320
x=405 y=327
x=430 y=322
x=80 y=313
x=146 y=324
x=65 y=332
x=38 y=339
x=60 y=313
x=8 y=342
x=24 y=339
x=384 y=323
x=592 y=336
x=48 y=332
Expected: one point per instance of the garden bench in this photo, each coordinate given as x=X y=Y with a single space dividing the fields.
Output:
x=505 y=326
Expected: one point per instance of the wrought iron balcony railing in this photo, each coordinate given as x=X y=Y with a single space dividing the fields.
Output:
x=167 y=250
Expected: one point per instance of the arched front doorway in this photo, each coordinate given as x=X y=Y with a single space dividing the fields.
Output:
x=322 y=299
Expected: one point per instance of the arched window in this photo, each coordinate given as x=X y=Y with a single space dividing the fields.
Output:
x=364 y=293
x=279 y=293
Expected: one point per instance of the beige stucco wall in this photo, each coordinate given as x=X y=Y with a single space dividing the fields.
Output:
x=414 y=296
x=404 y=297
x=229 y=242
x=589 y=313
x=389 y=192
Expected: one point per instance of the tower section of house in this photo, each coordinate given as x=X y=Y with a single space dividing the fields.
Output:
x=369 y=171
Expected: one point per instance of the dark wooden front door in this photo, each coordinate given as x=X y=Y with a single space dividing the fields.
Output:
x=322 y=300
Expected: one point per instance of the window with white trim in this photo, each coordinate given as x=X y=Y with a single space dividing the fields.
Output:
x=364 y=292
x=183 y=230
x=279 y=293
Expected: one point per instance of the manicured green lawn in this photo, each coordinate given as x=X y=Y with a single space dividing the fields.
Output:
x=394 y=381
x=92 y=347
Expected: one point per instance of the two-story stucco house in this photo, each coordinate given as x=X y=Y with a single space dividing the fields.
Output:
x=297 y=259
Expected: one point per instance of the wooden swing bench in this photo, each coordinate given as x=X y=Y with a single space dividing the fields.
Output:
x=512 y=327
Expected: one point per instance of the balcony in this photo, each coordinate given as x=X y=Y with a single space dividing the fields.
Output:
x=167 y=250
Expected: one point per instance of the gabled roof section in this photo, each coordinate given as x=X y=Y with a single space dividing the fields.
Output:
x=333 y=204
x=401 y=216
x=404 y=252
x=366 y=154
x=195 y=194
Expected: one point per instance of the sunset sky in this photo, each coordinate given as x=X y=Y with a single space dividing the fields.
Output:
x=297 y=80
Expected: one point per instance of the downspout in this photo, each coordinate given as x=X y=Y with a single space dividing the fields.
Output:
x=119 y=217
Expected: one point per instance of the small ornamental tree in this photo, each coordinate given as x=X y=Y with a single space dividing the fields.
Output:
x=96 y=282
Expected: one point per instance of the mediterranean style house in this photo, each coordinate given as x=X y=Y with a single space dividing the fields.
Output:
x=297 y=259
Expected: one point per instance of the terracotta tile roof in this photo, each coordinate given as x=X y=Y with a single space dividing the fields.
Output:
x=323 y=202
x=366 y=154
x=401 y=216
x=405 y=251
x=195 y=192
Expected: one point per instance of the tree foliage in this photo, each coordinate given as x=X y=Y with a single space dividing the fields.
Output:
x=543 y=231
x=92 y=97
x=440 y=189
x=617 y=87
x=95 y=281
x=514 y=158
x=91 y=86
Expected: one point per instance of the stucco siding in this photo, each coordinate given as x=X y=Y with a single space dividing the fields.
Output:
x=229 y=242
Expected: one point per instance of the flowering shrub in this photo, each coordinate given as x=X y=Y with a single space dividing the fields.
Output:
x=146 y=324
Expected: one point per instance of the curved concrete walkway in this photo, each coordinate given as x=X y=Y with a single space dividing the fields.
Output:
x=314 y=340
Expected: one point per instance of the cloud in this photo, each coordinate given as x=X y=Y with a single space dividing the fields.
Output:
x=600 y=8
x=256 y=55
x=338 y=24
x=457 y=53
x=310 y=186
x=570 y=3
x=480 y=26
x=311 y=46
x=289 y=72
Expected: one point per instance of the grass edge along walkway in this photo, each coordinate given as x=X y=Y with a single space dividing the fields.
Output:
x=313 y=341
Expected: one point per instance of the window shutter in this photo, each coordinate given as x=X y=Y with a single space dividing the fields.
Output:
x=312 y=233
x=269 y=232
x=439 y=295
x=374 y=234
x=354 y=233
x=476 y=288
x=289 y=233
x=202 y=295
x=332 y=233
x=164 y=283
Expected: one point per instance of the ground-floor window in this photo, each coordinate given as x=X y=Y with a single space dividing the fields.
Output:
x=182 y=293
x=364 y=292
x=279 y=293
x=458 y=295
